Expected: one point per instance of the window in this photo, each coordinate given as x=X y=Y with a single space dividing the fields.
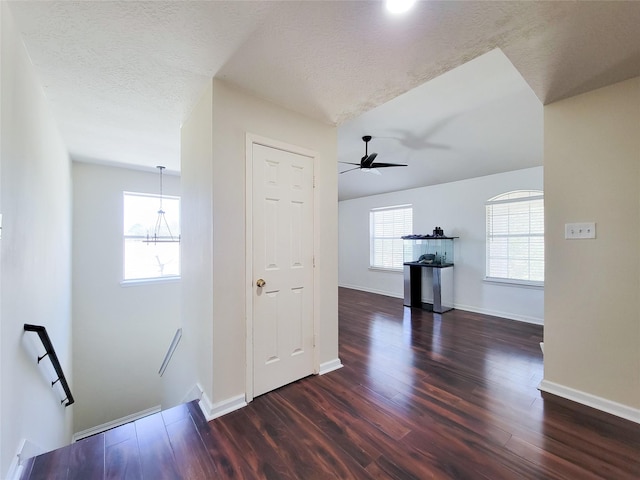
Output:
x=515 y=237
x=150 y=260
x=387 y=226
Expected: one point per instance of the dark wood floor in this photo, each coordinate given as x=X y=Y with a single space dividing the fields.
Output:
x=421 y=396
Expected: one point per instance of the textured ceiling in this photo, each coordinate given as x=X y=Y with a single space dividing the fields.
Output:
x=122 y=76
x=477 y=119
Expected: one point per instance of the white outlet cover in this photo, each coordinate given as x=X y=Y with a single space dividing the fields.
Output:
x=579 y=231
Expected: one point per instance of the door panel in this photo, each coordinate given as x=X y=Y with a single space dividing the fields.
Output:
x=282 y=227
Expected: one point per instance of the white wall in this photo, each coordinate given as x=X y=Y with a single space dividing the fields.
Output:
x=193 y=360
x=459 y=209
x=217 y=185
x=120 y=333
x=592 y=310
x=35 y=253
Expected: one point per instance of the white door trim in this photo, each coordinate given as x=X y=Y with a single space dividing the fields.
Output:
x=251 y=140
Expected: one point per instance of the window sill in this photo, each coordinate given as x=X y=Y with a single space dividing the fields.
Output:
x=149 y=281
x=386 y=270
x=514 y=283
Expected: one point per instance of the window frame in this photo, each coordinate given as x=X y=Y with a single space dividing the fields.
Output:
x=513 y=197
x=373 y=238
x=157 y=279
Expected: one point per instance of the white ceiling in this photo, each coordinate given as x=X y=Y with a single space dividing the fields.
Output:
x=477 y=119
x=122 y=76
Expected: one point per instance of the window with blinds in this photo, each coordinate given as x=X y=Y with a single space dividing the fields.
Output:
x=387 y=226
x=515 y=237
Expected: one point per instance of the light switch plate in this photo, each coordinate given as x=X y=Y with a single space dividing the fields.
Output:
x=579 y=231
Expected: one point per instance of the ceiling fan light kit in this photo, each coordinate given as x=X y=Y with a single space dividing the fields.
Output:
x=367 y=163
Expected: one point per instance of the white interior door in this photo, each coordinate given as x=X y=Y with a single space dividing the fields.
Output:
x=282 y=229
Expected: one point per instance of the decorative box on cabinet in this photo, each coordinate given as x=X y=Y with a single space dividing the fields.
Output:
x=435 y=254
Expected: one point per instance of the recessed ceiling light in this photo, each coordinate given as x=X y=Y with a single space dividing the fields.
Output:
x=399 y=6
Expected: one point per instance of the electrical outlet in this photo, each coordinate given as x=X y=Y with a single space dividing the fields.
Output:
x=579 y=231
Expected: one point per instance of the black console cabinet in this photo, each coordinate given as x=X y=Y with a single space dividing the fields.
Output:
x=436 y=255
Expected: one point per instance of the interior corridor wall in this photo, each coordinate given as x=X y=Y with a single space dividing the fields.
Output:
x=35 y=255
x=459 y=209
x=192 y=363
x=121 y=332
x=217 y=186
x=592 y=309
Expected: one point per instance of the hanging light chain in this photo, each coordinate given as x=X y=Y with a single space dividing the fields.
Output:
x=161 y=168
x=161 y=221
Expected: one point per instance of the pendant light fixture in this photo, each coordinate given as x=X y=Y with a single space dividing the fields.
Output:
x=161 y=232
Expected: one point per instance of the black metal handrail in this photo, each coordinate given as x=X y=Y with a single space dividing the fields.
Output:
x=51 y=353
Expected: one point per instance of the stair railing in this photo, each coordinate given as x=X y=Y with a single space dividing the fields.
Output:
x=51 y=353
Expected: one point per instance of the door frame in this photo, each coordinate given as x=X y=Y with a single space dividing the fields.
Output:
x=251 y=140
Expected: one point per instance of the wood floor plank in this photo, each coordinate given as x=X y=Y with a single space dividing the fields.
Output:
x=175 y=414
x=228 y=460
x=27 y=466
x=87 y=459
x=156 y=456
x=53 y=465
x=343 y=427
x=306 y=444
x=420 y=396
x=122 y=455
x=119 y=434
x=122 y=461
x=397 y=460
x=254 y=444
x=556 y=466
x=490 y=374
x=192 y=458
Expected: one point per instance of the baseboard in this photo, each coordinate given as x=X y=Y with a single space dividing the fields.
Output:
x=213 y=410
x=195 y=393
x=219 y=409
x=495 y=313
x=593 y=401
x=330 y=366
x=25 y=450
x=372 y=290
x=115 y=423
x=15 y=469
x=458 y=306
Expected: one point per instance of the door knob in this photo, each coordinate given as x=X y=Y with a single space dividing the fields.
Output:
x=261 y=283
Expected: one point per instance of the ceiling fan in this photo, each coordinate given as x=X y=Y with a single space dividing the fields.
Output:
x=367 y=163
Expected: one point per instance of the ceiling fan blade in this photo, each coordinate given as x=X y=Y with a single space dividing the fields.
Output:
x=367 y=161
x=350 y=163
x=350 y=170
x=383 y=165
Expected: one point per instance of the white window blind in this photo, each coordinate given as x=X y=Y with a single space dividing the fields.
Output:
x=515 y=237
x=387 y=226
x=149 y=260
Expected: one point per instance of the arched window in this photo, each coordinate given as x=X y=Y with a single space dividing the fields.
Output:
x=515 y=237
